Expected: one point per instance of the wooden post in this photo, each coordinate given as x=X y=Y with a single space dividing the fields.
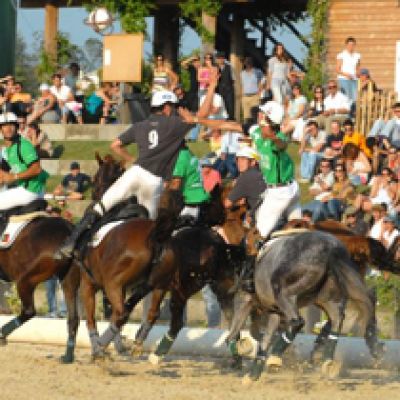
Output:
x=396 y=315
x=51 y=29
x=237 y=53
x=209 y=23
x=8 y=22
x=166 y=34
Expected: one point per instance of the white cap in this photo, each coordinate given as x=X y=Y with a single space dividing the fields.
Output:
x=162 y=97
x=248 y=152
x=274 y=111
x=8 y=118
x=43 y=87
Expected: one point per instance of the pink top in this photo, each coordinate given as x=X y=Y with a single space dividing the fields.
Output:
x=211 y=178
x=204 y=77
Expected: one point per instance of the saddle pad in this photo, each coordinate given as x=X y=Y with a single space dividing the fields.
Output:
x=102 y=232
x=286 y=232
x=15 y=225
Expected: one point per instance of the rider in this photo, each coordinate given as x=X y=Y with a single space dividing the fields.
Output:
x=23 y=176
x=159 y=139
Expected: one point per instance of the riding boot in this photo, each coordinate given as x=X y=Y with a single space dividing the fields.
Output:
x=67 y=249
x=248 y=274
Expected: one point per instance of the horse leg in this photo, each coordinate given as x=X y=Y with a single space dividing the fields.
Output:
x=177 y=308
x=321 y=339
x=70 y=285
x=152 y=316
x=259 y=362
x=88 y=291
x=25 y=291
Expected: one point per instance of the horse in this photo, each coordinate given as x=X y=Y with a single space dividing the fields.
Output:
x=29 y=261
x=298 y=270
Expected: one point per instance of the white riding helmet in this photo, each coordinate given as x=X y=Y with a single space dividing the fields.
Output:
x=248 y=152
x=274 y=111
x=8 y=118
x=162 y=97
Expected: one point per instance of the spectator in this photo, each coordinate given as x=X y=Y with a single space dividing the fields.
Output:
x=393 y=162
x=40 y=140
x=352 y=220
x=389 y=231
x=378 y=212
x=320 y=189
x=226 y=163
x=205 y=73
x=336 y=106
x=71 y=79
x=279 y=67
x=65 y=100
x=55 y=308
x=21 y=102
x=316 y=106
x=391 y=130
x=211 y=177
x=250 y=79
x=22 y=125
x=226 y=84
x=350 y=136
x=74 y=184
x=217 y=110
x=192 y=64
x=214 y=136
x=306 y=216
x=45 y=109
x=357 y=165
x=334 y=141
x=99 y=104
x=5 y=103
x=296 y=110
x=348 y=68
x=365 y=83
x=310 y=150
x=164 y=78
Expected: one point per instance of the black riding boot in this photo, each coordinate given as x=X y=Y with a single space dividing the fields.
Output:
x=248 y=274
x=67 y=249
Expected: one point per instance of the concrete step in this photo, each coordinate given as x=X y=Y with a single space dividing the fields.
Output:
x=61 y=167
x=83 y=132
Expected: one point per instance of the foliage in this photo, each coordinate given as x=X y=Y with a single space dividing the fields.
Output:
x=132 y=13
x=386 y=291
x=193 y=10
x=315 y=63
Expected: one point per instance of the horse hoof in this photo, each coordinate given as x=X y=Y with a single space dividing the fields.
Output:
x=137 y=349
x=244 y=347
x=154 y=359
x=274 y=363
x=247 y=380
x=123 y=347
x=66 y=359
x=332 y=369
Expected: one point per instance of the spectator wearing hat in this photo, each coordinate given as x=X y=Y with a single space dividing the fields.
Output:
x=73 y=184
x=352 y=219
x=365 y=83
x=45 y=107
x=226 y=83
x=312 y=144
x=211 y=177
x=389 y=231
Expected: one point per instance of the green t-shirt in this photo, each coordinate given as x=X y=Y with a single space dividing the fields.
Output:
x=18 y=164
x=187 y=168
x=275 y=164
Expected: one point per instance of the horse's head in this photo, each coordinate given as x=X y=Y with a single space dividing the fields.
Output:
x=384 y=259
x=109 y=171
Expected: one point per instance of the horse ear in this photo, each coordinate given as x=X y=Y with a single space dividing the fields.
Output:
x=98 y=158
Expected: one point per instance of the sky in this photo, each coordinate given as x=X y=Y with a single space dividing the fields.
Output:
x=31 y=21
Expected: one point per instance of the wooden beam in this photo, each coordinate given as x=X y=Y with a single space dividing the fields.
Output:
x=51 y=29
x=209 y=23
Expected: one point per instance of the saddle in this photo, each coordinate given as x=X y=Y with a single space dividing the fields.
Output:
x=34 y=206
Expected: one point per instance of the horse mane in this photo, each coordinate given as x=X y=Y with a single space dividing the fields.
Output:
x=214 y=213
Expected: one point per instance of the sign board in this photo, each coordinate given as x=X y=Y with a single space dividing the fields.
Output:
x=122 y=58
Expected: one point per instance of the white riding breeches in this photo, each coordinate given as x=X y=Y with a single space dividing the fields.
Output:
x=278 y=202
x=16 y=197
x=134 y=181
x=192 y=211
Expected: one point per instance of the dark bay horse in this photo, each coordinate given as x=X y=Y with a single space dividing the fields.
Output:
x=29 y=261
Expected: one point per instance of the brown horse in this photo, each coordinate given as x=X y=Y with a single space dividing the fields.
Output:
x=29 y=261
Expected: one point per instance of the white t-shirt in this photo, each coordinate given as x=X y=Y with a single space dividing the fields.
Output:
x=390 y=237
x=336 y=102
x=349 y=63
x=376 y=230
x=63 y=93
x=218 y=102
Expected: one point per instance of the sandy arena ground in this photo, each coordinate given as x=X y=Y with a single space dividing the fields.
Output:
x=33 y=372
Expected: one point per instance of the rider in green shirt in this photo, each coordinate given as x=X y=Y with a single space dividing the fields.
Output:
x=187 y=176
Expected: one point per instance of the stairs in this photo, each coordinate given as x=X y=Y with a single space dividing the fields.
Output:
x=375 y=26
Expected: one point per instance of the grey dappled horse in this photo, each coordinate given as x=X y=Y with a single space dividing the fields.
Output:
x=297 y=270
